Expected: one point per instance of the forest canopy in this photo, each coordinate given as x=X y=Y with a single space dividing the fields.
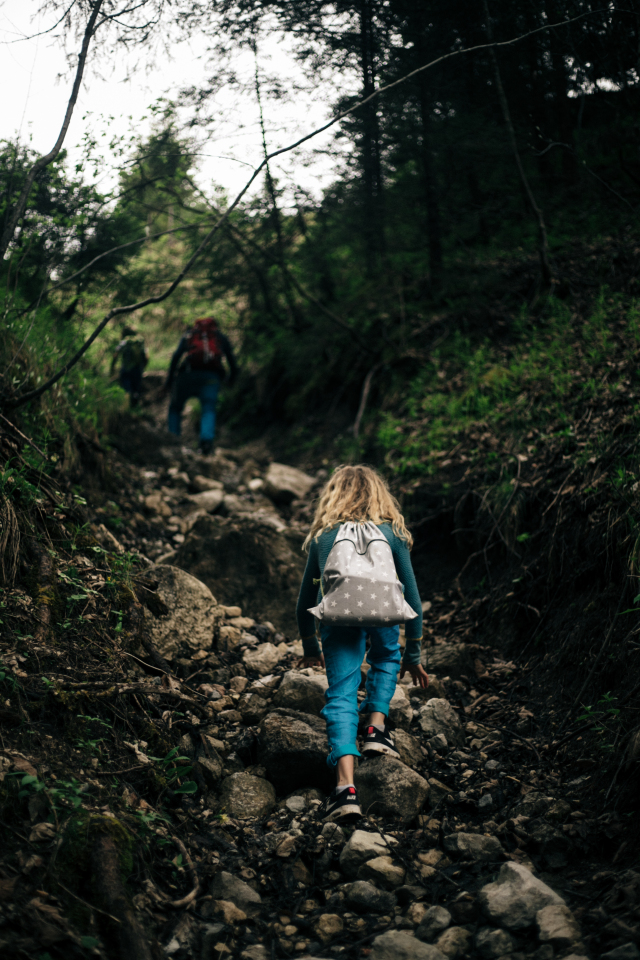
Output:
x=518 y=145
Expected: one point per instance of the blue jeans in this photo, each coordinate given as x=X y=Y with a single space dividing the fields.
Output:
x=203 y=385
x=344 y=649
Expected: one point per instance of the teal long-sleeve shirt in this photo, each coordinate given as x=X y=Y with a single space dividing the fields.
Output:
x=310 y=594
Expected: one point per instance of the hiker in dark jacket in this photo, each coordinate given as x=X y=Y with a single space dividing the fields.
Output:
x=197 y=371
x=133 y=356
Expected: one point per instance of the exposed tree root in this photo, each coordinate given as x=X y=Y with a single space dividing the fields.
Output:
x=122 y=931
x=9 y=543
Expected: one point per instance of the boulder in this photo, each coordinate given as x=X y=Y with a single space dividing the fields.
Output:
x=365 y=898
x=210 y=769
x=438 y=716
x=193 y=617
x=515 y=898
x=361 y=847
x=388 y=788
x=284 y=484
x=408 y=748
x=205 y=483
x=207 y=500
x=557 y=926
x=293 y=749
x=435 y=920
x=243 y=796
x=245 y=561
x=626 y=951
x=261 y=659
x=454 y=942
x=400 y=709
x=434 y=689
x=252 y=708
x=227 y=887
x=302 y=690
x=473 y=846
x=383 y=871
x=438 y=791
x=491 y=943
x=449 y=660
x=328 y=926
x=397 y=945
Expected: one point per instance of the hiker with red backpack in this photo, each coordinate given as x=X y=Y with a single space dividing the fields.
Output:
x=196 y=371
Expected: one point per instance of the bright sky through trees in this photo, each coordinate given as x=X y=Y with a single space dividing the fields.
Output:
x=115 y=99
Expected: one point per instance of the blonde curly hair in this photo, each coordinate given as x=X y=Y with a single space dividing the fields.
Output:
x=358 y=494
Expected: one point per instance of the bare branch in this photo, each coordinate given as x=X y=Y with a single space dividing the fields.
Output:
x=43 y=162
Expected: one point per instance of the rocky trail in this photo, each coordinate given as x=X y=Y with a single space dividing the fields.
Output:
x=162 y=754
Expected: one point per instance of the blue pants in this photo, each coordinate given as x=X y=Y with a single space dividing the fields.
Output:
x=203 y=385
x=344 y=649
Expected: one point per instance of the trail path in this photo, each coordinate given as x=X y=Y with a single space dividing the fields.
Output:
x=473 y=845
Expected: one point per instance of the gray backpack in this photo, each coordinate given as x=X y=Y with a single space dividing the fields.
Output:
x=360 y=586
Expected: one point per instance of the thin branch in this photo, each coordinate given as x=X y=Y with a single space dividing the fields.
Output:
x=44 y=161
x=26 y=439
x=132 y=307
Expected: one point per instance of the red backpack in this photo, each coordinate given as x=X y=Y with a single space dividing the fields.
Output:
x=204 y=351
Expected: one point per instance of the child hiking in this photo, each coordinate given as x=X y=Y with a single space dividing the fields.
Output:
x=358 y=549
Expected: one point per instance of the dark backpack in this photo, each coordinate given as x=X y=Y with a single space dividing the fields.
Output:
x=204 y=350
x=133 y=354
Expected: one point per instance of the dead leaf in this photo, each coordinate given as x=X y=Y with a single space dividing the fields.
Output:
x=6 y=888
x=23 y=766
x=42 y=831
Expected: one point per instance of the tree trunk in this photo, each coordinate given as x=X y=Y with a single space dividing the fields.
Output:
x=543 y=243
x=434 y=221
x=371 y=159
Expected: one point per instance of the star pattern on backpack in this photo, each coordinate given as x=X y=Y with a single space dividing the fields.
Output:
x=361 y=565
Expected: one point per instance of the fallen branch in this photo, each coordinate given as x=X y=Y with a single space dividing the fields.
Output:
x=190 y=897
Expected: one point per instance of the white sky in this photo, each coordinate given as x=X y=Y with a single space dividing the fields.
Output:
x=36 y=83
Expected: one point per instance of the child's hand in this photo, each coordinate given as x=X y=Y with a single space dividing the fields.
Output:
x=418 y=673
x=312 y=661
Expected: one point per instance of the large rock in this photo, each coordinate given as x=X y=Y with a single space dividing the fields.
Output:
x=557 y=926
x=492 y=943
x=362 y=847
x=293 y=749
x=383 y=872
x=400 y=709
x=243 y=796
x=302 y=690
x=388 y=788
x=192 y=620
x=454 y=942
x=365 y=898
x=449 y=660
x=473 y=846
x=284 y=484
x=397 y=945
x=435 y=920
x=262 y=659
x=207 y=500
x=438 y=716
x=227 y=887
x=408 y=748
x=245 y=561
x=515 y=898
